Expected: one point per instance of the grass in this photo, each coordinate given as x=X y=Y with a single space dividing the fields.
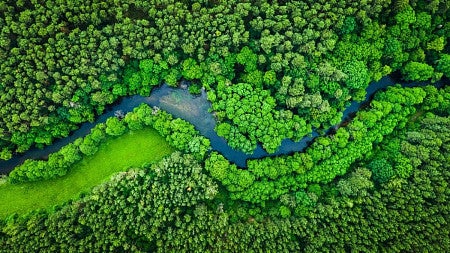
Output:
x=116 y=154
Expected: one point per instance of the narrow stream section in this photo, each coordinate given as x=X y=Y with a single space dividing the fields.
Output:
x=194 y=109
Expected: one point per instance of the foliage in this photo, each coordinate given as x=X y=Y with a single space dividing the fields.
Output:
x=444 y=65
x=328 y=157
x=146 y=202
x=172 y=207
x=357 y=75
x=272 y=70
x=115 y=127
x=62 y=63
x=250 y=117
x=416 y=71
x=179 y=134
x=132 y=149
x=357 y=184
x=382 y=170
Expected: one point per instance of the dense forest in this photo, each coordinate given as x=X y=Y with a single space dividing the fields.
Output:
x=272 y=70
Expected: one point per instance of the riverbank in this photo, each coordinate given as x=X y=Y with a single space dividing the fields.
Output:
x=117 y=154
x=195 y=109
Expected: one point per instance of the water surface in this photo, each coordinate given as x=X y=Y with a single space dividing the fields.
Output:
x=194 y=109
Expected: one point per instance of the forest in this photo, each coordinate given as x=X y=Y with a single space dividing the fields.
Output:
x=272 y=70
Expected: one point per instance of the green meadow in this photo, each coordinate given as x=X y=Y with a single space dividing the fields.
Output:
x=116 y=154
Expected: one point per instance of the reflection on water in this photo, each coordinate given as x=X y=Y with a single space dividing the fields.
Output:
x=193 y=109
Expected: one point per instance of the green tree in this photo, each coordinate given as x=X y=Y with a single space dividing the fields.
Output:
x=88 y=146
x=382 y=170
x=247 y=58
x=191 y=70
x=416 y=71
x=444 y=64
x=115 y=127
x=357 y=74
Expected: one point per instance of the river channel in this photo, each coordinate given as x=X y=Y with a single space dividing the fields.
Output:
x=194 y=109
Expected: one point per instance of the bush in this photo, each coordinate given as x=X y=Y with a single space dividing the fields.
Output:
x=416 y=71
x=115 y=127
x=179 y=133
x=382 y=170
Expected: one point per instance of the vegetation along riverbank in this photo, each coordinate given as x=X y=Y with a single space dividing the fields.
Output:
x=274 y=153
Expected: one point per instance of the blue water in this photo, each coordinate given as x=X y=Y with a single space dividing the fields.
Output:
x=193 y=109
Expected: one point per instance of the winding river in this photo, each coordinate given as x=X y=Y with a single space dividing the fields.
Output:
x=194 y=109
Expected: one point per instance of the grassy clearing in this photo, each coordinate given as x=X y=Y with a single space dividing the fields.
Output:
x=117 y=154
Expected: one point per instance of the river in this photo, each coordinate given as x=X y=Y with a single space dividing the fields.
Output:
x=194 y=109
